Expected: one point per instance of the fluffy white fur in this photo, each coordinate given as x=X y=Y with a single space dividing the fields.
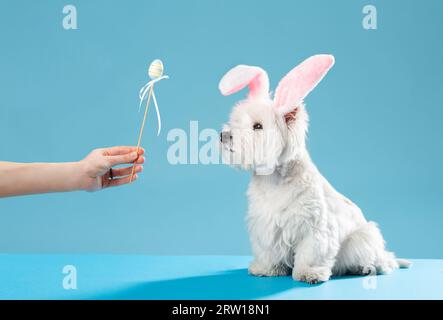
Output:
x=298 y=223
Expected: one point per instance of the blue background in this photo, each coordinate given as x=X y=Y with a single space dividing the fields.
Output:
x=375 y=129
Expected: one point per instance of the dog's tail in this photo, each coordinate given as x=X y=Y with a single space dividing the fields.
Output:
x=403 y=263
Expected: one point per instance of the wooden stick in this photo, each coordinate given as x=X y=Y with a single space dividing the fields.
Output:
x=141 y=129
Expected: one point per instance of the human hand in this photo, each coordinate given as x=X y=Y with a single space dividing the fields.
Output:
x=96 y=168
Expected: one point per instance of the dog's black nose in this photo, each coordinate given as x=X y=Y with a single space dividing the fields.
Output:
x=225 y=136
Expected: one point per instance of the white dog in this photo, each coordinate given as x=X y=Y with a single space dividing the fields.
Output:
x=297 y=221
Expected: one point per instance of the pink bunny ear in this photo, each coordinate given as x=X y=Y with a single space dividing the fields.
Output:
x=240 y=76
x=300 y=81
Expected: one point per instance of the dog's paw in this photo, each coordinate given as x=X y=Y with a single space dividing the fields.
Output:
x=368 y=270
x=312 y=275
x=258 y=270
x=387 y=266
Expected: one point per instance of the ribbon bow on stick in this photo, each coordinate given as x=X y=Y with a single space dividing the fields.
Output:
x=155 y=72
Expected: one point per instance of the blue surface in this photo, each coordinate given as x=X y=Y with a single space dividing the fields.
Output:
x=375 y=120
x=197 y=277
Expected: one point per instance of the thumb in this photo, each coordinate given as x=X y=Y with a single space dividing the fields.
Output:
x=123 y=158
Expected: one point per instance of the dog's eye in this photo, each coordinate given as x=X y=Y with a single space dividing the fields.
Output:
x=257 y=126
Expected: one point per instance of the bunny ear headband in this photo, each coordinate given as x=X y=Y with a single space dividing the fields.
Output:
x=291 y=90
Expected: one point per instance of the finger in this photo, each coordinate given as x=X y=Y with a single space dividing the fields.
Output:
x=122 y=181
x=122 y=159
x=140 y=160
x=120 y=150
x=126 y=171
x=105 y=180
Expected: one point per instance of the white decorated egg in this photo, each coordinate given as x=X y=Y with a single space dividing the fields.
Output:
x=155 y=69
